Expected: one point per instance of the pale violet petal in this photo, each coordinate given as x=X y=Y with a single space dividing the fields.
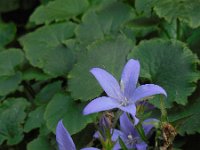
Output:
x=131 y=109
x=129 y=77
x=97 y=134
x=141 y=146
x=116 y=134
x=125 y=124
x=100 y=104
x=147 y=90
x=116 y=146
x=107 y=82
x=136 y=120
x=90 y=148
x=63 y=138
x=123 y=138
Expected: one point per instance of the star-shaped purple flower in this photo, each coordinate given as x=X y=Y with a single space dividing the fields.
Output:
x=129 y=134
x=123 y=96
x=64 y=139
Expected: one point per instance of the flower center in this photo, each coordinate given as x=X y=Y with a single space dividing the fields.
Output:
x=131 y=140
x=124 y=102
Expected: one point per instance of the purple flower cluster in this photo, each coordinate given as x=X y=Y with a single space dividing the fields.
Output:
x=123 y=96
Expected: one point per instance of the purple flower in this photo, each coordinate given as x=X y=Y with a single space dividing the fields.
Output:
x=64 y=139
x=129 y=134
x=123 y=96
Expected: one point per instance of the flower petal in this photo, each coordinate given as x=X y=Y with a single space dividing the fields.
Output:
x=107 y=82
x=63 y=138
x=147 y=90
x=141 y=146
x=129 y=77
x=132 y=110
x=97 y=134
x=100 y=104
x=115 y=138
x=116 y=146
x=116 y=134
x=90 y=148
x=125 y=124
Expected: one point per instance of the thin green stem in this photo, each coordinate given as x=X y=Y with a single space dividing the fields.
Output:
x=163 y=110
x=140 y=129
x=141 y=132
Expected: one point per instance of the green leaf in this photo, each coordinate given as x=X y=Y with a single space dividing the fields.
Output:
x=109 y=54
x=144 y=6
x=186 y=118
x=169 y=64
x=62 y=107
x=35 y=119
x=58 y=10
x=100 y=3
x=12 y=115
x=89 y=20
x=9 y=83
x=46 y=94
x=184 y=10
x=44 y=48
x=34 y=74
x=7 y=32
x=9 y=60
x=105 y=20
x=41 y=143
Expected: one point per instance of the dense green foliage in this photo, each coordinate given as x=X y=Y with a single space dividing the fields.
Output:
x=46 y=58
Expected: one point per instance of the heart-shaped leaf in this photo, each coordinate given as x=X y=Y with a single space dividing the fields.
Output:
x=44 y=48
x=169 y=64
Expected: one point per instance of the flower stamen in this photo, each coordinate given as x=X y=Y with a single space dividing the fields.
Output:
x=131 y=140
x=124 y=102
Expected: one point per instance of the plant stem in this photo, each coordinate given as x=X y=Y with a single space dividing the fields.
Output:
x=163 y=110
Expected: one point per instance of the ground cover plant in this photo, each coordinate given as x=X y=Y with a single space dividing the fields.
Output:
x=94 y=74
